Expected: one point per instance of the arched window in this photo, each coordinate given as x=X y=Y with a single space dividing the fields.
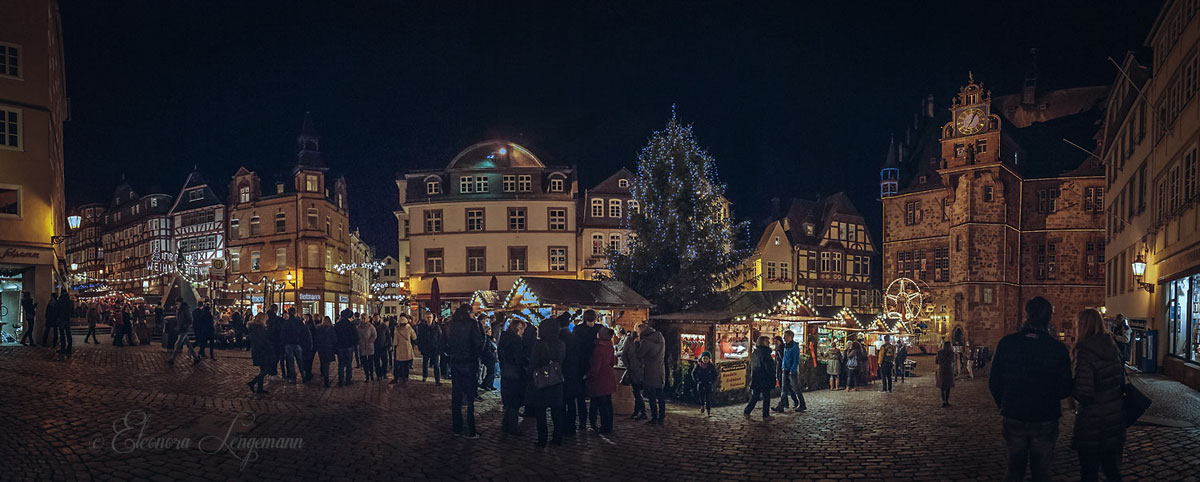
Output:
x=598 y=244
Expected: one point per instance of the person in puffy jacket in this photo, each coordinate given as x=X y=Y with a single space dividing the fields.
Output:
x=464 y=346
x=325 y=346
x=403 y=337
x=705 y=375
x=514 y=373
x=1099 y=388
x=262 y=352
x=601 y=379
x=762 y=377
x=347 y=343
x=366 y=347
x=651 y=349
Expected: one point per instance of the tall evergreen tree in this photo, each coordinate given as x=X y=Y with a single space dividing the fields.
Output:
x=683 y=246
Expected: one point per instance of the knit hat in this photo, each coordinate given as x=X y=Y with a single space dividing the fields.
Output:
x=706 y=354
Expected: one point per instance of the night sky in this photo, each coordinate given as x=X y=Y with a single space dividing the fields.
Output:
x=792 y=100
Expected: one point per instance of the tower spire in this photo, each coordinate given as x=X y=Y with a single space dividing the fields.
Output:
x=889 y=176
x=309 y=143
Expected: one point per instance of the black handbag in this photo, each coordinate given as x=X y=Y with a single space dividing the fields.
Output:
x=548 y=375
x=1136 y=404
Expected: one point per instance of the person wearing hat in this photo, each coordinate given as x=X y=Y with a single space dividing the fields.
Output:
x=705 y=375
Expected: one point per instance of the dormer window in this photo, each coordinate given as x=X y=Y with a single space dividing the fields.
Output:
x=622 y=183
x=556 y=184
x=481 y=184
x=433 y=187
x=510 y=183
x=243 y=194
x=279 y=188
x=466 y=185
x=525 y=183
x=195 y=195
x=808 y=229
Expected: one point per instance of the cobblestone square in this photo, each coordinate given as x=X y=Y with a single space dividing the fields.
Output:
x=69 y=419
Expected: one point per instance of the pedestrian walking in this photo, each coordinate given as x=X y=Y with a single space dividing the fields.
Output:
x=790 y=375
x=325 y=346
x=29 y=309
x=762 y=378
x=887 y=363
x=366 y=347
x=547 y=358
x=383 y=347
x=429 y=342
x=202 y=327
x=488 y=359
x=1031 y=374
x=514 y=374
x=946 y=359
x=601 y=379
x=65 y=310
x=573 y=374
x=633 y=374
x=1123 y=336
x=1099 y=388
x=262 y=352
x=651 y=348
x=93 y=317
x=833 y=365
x=182 y=328
x=308 y=337
x=464 y=346
x=347 y=339
x=901 y=360
x=705 y=375
x=403 y=337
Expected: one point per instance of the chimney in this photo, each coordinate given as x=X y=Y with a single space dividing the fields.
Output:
x=1029 y=92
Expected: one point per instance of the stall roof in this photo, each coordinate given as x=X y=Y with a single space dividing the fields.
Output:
x=490 y=299
x=730 y=306
x=581 y=293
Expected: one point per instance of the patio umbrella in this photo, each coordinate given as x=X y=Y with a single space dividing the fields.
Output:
x=494 y=285
x=435 y=298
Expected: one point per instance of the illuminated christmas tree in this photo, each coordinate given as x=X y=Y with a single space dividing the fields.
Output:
x=682 y=246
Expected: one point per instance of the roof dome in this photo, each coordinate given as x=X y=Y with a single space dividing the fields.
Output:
x=494 y=154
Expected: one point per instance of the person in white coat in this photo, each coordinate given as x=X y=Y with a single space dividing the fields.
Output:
x=366 y=347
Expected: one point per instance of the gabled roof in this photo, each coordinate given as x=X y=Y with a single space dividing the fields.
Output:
x=818 y=213
x=727 y=306
x=612 y=184
x=581 y=293
x=207 y=197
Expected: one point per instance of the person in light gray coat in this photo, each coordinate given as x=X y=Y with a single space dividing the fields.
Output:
x=183 y=329
x=651 y=348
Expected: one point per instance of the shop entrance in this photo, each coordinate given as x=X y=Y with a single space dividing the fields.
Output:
x=11 y=318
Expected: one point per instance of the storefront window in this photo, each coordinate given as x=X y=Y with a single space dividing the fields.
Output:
x=692 y=346
x=1178 y=308
x=1194 y=320
x=733 y=342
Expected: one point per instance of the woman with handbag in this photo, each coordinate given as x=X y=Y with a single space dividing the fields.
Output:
x=546 y=389
x=1099 y=389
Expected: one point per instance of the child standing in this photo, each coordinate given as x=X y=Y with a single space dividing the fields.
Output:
x=705 y=375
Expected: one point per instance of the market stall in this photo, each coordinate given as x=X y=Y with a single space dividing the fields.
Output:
x=490 y=302
x=615 y=304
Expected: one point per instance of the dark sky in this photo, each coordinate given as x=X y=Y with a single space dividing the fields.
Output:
x=793 y=99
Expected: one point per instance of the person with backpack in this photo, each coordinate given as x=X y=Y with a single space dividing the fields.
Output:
x=853 y=365
x=887 y=362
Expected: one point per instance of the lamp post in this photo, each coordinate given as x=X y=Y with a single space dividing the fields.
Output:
x=295 y=293
x=1139 y=271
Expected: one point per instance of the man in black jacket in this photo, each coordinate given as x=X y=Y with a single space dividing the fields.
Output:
x=585 y=337
x=347 y=339
x=1030 y=376
x=64 y=311
x=429 y=341
x=291 y=335
x=464 y=345
x=29 y=307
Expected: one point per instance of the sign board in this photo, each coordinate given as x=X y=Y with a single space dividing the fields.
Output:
x=343 y=298
x=310 y=297
x=255 y=298
x=733 y=375
x=1139 y=324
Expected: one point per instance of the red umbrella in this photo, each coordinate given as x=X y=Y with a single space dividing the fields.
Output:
x=494 y=285
x=435 y=298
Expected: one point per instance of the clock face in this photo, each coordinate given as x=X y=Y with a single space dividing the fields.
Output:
x=970 y=121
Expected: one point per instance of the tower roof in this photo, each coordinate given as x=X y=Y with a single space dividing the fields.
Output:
x=494 y=154
x=310 y=146
x=891 y=162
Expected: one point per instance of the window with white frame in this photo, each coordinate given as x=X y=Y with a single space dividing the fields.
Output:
x=235 y=262
x=10 y=60
x=556 y=184
x=558 y=219
x=10 y=128
x=433 y=220
x=516 y=258
x=254 y=226
x=558 y=259
x=510 y=183
x=525 y=183
x=466 y=184
x=633 y=206
x=597 y=208
x=622 y=183
x=614 y=208
x=433 y=187
x=598 y=244
x=310 y=183
x=243 y=194
x=481 y=184
x=614 y=241
x=516 y=219
x=770 y=270
x=475 y=220
x=433 y=261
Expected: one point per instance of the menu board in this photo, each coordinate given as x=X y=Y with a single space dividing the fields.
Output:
x=733 y=375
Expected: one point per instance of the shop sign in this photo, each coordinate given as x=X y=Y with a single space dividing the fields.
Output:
x=255 y=298
x=13 y=255
x=1139 y=324
x=733 y=375
x=343 y=298
x=310 y=297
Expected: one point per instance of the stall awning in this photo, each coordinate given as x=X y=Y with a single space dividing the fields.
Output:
x=580 y=293
x=747 y=305
x=489 y=299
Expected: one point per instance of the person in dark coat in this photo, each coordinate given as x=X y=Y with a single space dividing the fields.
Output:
x=50 y=325
x=946 y=359
x=1099 y=388
x=601 y=379
x=488 y=358
x=64 y=310
x=573 y=389
x=1031 y=374
x=307 y=336
x=633 y=372
x=549 y=348
x=651 y=350
x=238 y=324
x=429 y=343
x=93 y=317
x=202 y=326
x=29 y=307
x=347 y=340
x=262 y=352
x=325 y=343
x=762 y=378
x=901 y=358
x=704 y=373
x=514 y=374
x=464 y=346
x=383 y=347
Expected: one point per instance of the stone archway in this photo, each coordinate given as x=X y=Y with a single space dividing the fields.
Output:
x=959 y=336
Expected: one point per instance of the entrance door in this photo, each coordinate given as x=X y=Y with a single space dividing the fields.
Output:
x=10 y=308
x=959 y=337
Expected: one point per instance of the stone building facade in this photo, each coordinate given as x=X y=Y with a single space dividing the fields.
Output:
x=987 y=214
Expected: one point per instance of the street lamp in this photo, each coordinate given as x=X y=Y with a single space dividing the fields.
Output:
x=295 y=293
x=1139 y=271
x=73 y=222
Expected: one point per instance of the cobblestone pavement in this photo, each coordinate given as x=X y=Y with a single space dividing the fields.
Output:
x=60 y=418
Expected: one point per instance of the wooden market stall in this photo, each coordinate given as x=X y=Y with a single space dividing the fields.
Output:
x=540 y=298
x=727 y=327
x=490 y=302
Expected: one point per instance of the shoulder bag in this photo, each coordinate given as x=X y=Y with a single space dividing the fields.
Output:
x=548 y=375
x=1136 y=403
